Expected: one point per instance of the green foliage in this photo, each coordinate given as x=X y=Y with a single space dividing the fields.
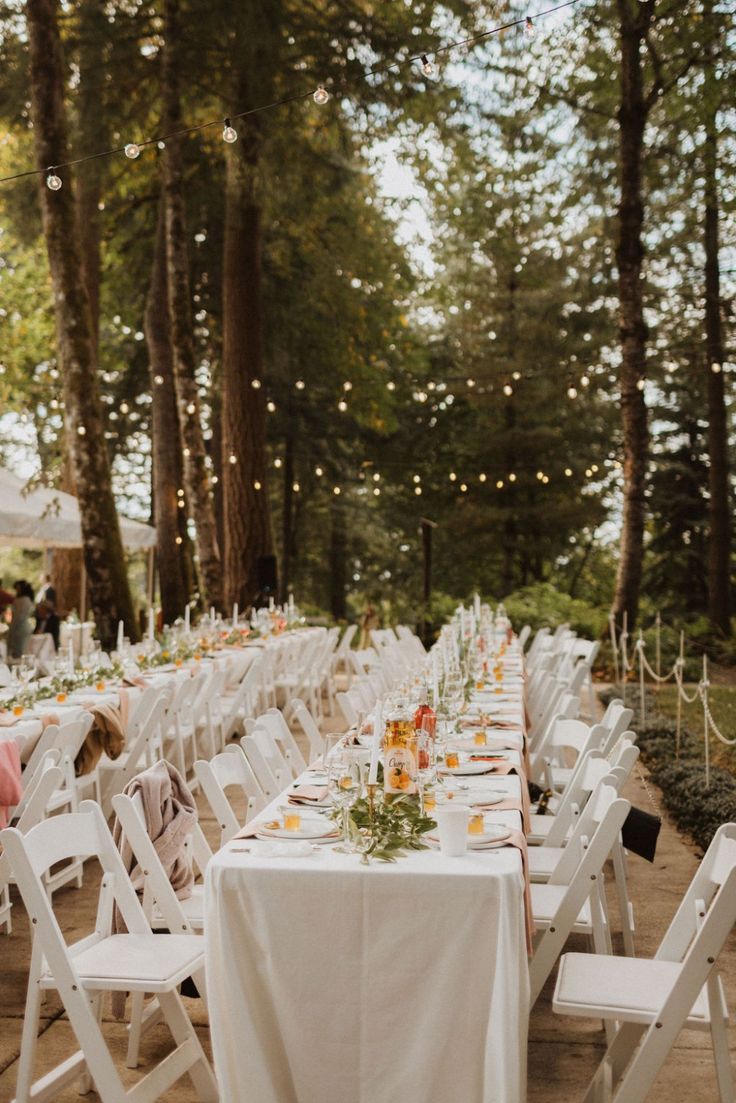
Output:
x=395 y=827
x=543 y=605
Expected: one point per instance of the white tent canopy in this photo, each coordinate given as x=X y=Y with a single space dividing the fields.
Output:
x=44 y=518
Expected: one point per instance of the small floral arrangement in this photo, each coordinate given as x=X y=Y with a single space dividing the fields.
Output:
x=388 y=829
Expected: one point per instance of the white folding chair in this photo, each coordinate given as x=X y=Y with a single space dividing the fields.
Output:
x=31 y=810
x=275 y=722
x=144 y=748
x=303 y=717
x=653 y=999
x=574 y=897
x=341 y=656
x=242 y=702
x=272 y=780
x=98 y=963
x=163 y=909
x=229 y=770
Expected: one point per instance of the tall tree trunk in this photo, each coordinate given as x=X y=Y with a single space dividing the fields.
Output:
x=634 y=19
x=719 y=513
x=287 y=518
x=338 y=558
x=103 y=549
x=247 y=515
x=91 y=131
x=196 y=475
x=167 y=460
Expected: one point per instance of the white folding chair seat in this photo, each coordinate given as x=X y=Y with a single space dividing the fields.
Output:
x=138 y=961
x=653 y=1000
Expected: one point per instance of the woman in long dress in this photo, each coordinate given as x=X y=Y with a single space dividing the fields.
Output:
x=20 y=624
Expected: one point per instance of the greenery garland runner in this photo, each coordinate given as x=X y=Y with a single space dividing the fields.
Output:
x=389 y=830
x=168 y=653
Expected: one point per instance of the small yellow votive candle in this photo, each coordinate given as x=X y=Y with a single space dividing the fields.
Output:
x=430 y=802
x=60 y=698
x=18 y=710
x=475 y=824
x=480 y=738
x=100 y=687
x=452 y=760
x=292 y=821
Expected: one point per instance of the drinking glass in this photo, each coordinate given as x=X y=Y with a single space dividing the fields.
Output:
x=26 y=668
x=426 y=758
x=344 y=789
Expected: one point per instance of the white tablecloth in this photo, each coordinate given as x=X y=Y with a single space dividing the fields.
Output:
x=332 y=982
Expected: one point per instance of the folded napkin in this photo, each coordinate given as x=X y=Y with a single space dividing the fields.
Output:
x=7 y=720
x=307 y=794
x=509 y=768
x=518 y=840
x=11 y=789
x=135 y=680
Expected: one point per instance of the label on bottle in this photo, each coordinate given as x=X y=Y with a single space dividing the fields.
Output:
x=400 y=757
x=400 y=769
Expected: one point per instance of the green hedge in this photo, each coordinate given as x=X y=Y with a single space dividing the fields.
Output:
x=697 y=809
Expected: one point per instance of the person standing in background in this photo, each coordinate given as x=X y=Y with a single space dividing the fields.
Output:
x=46 y=593
x=20 y=623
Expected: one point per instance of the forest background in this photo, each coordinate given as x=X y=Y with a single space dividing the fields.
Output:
x=491 y=286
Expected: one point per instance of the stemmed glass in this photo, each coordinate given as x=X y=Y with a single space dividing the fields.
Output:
x=26 y=668
x=344 y=789
x=426 y=756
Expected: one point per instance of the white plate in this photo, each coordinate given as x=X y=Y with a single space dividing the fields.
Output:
x=467 y=769
x=479 y=748
x=310 y=829
x=493 y=833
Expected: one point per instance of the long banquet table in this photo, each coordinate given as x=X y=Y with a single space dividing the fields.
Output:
x=331 y=981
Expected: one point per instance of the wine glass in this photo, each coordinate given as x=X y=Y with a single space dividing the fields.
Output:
x=26 y=668
x=426 y=756
x=344 y=789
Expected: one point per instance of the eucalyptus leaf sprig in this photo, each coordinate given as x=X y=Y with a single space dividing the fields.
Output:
x=397 y=827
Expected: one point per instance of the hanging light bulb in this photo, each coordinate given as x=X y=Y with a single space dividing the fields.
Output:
x=640 y=384
x=585 y=380
x=53 y=182
x=512 y=477
x=572 y=392
x=377 y=491
x=417 y=490
x=132 y=150
x=530 y=31
x=342 y=405
x=277 y=462
x=229 y=133
x=516 y=375
x=568 y=471
x=321 y=95
x=715 y=367
x=336 y=490
x=255 y=384
x=499 y=484
x=416 y=478
x=482 y=477
x=318 y=471
x=271 y=407
x=508 y=390
x=427 y=66
x=295 y=487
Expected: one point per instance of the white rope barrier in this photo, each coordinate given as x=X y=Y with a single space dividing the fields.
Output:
x=621 y=657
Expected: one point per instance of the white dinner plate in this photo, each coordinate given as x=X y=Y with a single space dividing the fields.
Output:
x=480 y=748
x=492 y=833
x=467 y=769
x=310 y=829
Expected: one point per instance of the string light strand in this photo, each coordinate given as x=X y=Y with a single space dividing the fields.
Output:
x=319 y=94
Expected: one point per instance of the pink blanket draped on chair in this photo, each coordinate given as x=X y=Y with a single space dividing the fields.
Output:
x=11 y=789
